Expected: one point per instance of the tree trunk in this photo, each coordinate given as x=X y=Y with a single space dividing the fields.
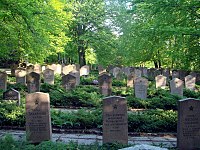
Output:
x=156 y=64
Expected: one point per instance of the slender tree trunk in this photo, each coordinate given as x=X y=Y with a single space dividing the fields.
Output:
x=156 y=64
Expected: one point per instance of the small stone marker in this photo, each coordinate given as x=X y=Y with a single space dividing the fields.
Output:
x=58 y=69
x=188 y=131
x=20 y=75
x=67 y=69
x=3 y=81
x=175 y=74
x=12 y=94
x=141 y=85
x=190 y=82
x=176 y=87
x=52 y=67
x=138 y=73
x=117 y=72
x=151 y=73
x=85 y=70
x=161 y=81
x=101 y=69
x=37 y=68
x=33 y=82
x=38 y=119
x=130 y=80
x=77 y=75
x=69 y=81
x=30 y=69
x=115 y=120
x=48 y=76
x=105 y=84
x=166 y=72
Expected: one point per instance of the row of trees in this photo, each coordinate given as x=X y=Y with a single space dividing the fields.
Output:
x=137 y=32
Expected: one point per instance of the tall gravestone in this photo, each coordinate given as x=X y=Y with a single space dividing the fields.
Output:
x=161 y=81
x=69 y=81
x=190 y=82
x=38 y=119
x=85 y=70
x=33 y=82
x=20 y=74
x=48 y=76
x=176 y=87
x=140 y=87
x=105 y=84
x=3 y=81
x=151 y=73
x=188 y=128
x=77 y=75
x=12 y=94
x=115 y=120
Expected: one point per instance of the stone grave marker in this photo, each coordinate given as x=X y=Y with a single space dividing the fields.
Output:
x=183 y=74
x=12 y=94
x=77 y=67
x=67 y=69
x=58 y=69
x=144 y=72
x=33 y=82
x=130 y=80
x=69 y=81
x=166 y=72
x=140 y=87
x=48 y=76
x=13 y=68
x=101 y=69
x=116 y=72
x=175 y=74
x=37 y=68
x=52 y=67
x=20 y=74
x=115 y=120
x=85 y=70
x=138 y=73
x=188 y=128
x=77 y=75
x=190 y=82
x=161 y=81
x=38 y=119
x=151 y=73
x=29 y=69
x=176 y=87
x=105 y=84
x=3 y=81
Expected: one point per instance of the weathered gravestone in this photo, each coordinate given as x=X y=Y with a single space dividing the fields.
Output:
x=151 y=73
x=117 y=72
x=52 y=67
x=85 y=70
x=166 y=72
x=140 y=87
x=58 y=69
x=115 y=120
x=105 y=84
x=33 y=82
x=175 y=74
x=144 y=71
x=161 y=81
x=38 y=119
x=12 y=94
x=29 y=69
x=20 y=75
x=67 y=69
x=3 y=81
x=138 y=73
x=176 y=87
x=183 y=74
x=77 y=75
x=188 y=131
x=101 y=69
x=37 y=68
x=130 y=80
x=69 y=81
x=190 y=82
x=48 y=76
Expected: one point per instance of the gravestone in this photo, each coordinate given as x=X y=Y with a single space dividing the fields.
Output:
x=105 y=84
x=117 y=72
x=190 y=82
x=3 y=81
x=12 y=94
x=101 y=69
x=37 y=68
x=151 y=73
x=130 y=80
x=29 y=69
x=67 y=69
x=77 y=67
x=138 y=73
x=38 y=119
x=52 y=67
x=48 y=76
x=161 y=81
x=144 y=72
x=13 y=68
x=58 y=69
x=85 y=70
x=140 y=87
x=183 y=74
x=33 y=82
x=188 y=128
x=69 y=81
x=175 y=74
x=166 y=72
x=20 y=75
x=115 y=120
x=176 y=87
x=77 y=75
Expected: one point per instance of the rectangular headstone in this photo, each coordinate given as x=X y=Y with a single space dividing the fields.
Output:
x=33 y=82
x=161 y=81
x=48 y=76
x=20 y=74
x=38 y=119
x=105 y=84
x=176 y=87
x=130 y=80
x=3 y=81
x=190 y=82
x=85 y=70
x=115 y=120
x=188 y=131
x=140 y=87
x=37 y=68
x=12 y=94
x=69 y=81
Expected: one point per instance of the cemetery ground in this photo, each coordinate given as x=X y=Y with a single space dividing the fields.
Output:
x=79 y=110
